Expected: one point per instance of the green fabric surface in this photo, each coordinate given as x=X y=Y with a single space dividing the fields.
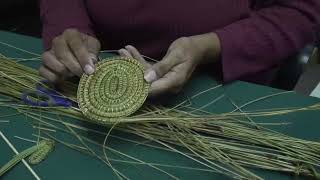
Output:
x=64 y=163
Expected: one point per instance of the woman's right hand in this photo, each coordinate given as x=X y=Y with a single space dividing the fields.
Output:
x=72 y=54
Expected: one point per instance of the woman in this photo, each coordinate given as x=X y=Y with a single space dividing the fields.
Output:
x=247 y=38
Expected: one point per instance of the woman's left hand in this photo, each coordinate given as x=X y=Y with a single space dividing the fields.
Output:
x=175 y=69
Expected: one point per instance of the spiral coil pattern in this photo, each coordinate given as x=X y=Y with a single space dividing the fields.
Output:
x=44 y=148
x=116 y=89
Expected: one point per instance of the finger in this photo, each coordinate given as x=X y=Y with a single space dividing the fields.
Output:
x=48 y=74
x=136 y=55
x=161 y=68
x=63 y=54
x=169 y=83
x=93 y=57
x=79 y=50
x=125 y=53
x=52 y=63
x=93 y=46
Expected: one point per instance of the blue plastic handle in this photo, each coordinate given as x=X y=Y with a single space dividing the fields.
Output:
x=26 y=97
x=52 y=98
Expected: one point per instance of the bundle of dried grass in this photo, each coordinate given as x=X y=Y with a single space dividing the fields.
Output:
x=223 y=143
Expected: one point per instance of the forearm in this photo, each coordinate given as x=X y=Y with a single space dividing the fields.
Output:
x=261 y=41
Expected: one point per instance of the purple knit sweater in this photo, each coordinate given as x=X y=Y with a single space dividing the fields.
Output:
x=255 y=36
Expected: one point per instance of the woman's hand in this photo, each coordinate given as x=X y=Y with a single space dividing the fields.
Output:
x=71 y=54
x=175 y=69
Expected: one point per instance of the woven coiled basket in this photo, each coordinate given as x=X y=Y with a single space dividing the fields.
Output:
x=116 y=89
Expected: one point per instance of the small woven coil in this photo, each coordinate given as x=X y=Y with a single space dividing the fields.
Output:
x=116 y=89
x=44 y=148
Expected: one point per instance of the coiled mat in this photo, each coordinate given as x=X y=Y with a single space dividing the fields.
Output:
x=116 y=89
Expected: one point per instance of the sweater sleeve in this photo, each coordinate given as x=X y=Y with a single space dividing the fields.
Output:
x=58 y=15
x=266 y=37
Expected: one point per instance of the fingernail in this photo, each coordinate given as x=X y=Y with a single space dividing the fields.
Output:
x=88 y=69
x=150 y=76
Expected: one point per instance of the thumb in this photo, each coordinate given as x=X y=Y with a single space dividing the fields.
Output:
x=161 y=68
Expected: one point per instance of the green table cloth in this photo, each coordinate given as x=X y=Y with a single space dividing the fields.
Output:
x=65 y=163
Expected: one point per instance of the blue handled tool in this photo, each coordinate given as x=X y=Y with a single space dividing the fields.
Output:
x=45 y=96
